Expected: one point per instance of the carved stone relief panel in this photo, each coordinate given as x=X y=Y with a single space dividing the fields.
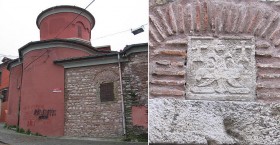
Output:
x=221 y=68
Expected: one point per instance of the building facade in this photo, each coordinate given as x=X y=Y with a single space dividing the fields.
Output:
x=4 y=85
x=65 y=86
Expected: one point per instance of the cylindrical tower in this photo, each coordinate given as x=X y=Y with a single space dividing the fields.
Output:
x=65 y=22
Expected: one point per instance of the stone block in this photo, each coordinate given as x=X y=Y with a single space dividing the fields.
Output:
x=221 y=68
x=173 y=121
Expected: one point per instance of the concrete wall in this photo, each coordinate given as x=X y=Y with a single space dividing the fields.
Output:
x=85 y=114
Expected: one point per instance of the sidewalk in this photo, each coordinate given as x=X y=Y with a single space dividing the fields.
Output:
x=10 y=137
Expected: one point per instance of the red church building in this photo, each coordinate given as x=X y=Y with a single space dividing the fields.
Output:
x=62 y=85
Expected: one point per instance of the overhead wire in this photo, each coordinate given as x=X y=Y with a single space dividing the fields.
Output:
x=74 y=19
x=59 y=34
x=35 y=59
x=111 y=34
x=108 y=35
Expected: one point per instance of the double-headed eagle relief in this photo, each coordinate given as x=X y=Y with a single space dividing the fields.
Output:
x=220 y=68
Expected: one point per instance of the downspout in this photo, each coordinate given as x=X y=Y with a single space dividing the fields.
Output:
x=19 y=99
x=123 y=115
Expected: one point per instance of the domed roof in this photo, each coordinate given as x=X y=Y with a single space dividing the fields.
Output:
x=65 y=8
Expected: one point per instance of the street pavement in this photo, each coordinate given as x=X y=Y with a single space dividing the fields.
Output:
x=10 y=137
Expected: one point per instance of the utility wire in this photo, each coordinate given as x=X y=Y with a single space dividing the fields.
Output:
x=108 y=35
x=36 y=59
x=111 y=34
x=70 y=24
x=74 y=19
x=59 y=34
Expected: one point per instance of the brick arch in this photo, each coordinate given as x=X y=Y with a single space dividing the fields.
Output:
x=172 y=23
x=105 y=76
x=214 y=18
x=79 y=23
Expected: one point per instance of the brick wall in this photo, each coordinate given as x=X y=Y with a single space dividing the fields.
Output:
x=177 y=118
x=135 y=90
x=85 y=115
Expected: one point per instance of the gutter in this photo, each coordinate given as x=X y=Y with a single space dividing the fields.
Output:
x=123 y=115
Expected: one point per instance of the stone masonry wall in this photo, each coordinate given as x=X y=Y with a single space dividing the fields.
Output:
x=135 y=90
x=85 y=114
x=214 y=72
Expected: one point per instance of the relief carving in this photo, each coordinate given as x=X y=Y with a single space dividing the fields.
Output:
x=220 y=68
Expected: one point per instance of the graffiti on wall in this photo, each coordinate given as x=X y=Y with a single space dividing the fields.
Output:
x=44 y=113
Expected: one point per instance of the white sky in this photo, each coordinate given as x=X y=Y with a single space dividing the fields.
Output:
x=18 y=22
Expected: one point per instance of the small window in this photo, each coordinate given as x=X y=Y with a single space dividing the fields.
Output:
x=80 y=31
x=107 y=92
x=5 y=95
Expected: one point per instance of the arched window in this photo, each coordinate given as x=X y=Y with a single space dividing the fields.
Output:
x=80 y=27
x=79 y=31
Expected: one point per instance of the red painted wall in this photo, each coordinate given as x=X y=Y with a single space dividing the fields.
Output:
x=5 y=76
x=41 y=92
x=53 y=25
x=42 y=96
x=4 y=84
x=140 y=116
x=4 y=111
x=14 y=93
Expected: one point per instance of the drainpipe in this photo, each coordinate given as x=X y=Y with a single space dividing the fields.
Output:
x=123 y=115
x=19 y=99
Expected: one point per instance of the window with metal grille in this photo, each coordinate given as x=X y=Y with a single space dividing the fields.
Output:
x=80 y=31
x=107 y=92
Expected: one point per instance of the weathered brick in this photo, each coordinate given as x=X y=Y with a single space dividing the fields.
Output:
x=171 y=52
x=162 y=13
x=223 y=17
x=163 y=62
x=181 y=24
x=168 y=72
x=178 y=64
x=166 y=92
x=197 y=16
x=168 y=82
x=172 y=19
x=177 y=42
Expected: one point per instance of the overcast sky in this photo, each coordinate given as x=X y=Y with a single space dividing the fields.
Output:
x=18 y=22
